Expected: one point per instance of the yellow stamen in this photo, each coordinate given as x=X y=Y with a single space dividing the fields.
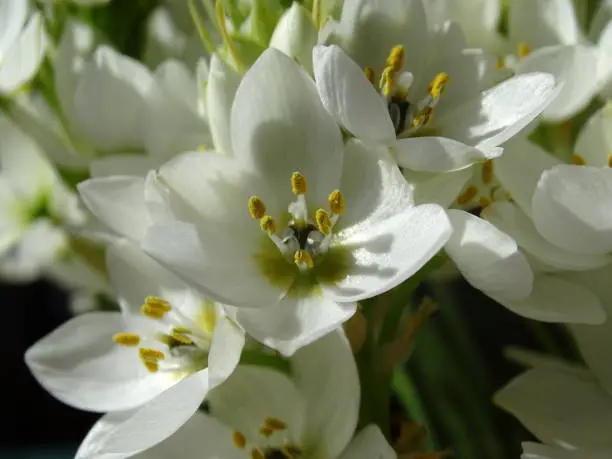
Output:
x=336 y=202
x=395 y=60
x=323 y=222
x=266 y=431
x=469 y=194
x=578 y=160
x=302 y=257
x=267 y=224
x=298 y=184
x=523 y=49
x=370 y=74
x=178 y=333
x=127 y=339
x=487 y=172
x=610 y=160
x=256 y=454
x=423 y=118
x=485 y=202
x=239 y=439
x=394 y=64
x=147 y=353
x=155 y=307
x=275 y=423
x=151 y=365
x=436 y=88
x=500 y=63
x=257 y=208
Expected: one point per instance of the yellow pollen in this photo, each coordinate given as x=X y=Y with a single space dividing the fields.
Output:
x=267 y=224
x=523 y=49
x=239 y=439
x=487 y=172
x=126 y=339
x=147 y=354
x=151 y=365
x=484 y=202
x=298 y=183
x=183 y=330
x=302 y=257
x=394 y=64
x=155 y=307
x=266 y=431
x=336 y=202
x=422 y=118
x=610 y=160
x=178 y=333
x=500 y=63
x=257 y=208
x=395 y=60
x=469 y=194
x=256 y=454
x=578 y=160
x=370 y=74
x=323 y=222
x=436 y=88
x=275 y=423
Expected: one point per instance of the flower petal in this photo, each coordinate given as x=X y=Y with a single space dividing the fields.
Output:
x=81 y=365
x=368 y=443
x=435 y=188
x=125 y=433
x=295 y=35
x=226 y=346
x=388 y=252
x=560 y=408
x=594 y=143
x=500 y=112
x=439 y=154
x=349 y=96
x=488 y=258
x=13 y=16
x=571 y=208
x=293 y=133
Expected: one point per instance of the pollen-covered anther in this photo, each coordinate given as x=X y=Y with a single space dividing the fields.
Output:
x=323 y=221
x=179 y=334
x=470 y=193
x=523 y=49
x=256 y=454
x=298 y=184
x=395 y=60
x=484 y=202
x=436 y=88
x=239 y=439
x=578 y=160
x=267 y=224
x=126 y=339
x=423 y=117
x=147 y=353
x=155 y=307
x=151 y=365
x=302 y=258
x=336 y=202
x=266 y=430
x=257 y=208
x=394 y=64
x=487 y=172
x=610 y=160
x=275 y=423
x=370 y=74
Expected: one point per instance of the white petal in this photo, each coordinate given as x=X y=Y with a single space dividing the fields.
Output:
x=81 y=365
x=554 y=299
x=560 y=408
x=293 y=133
x=435 y=188
x=368 y=443
x=218 y=263
x=594 y=143
x=125 y=433
x=296 y=321
x=543 y=22
x=571 y=208
x=119 y=203
x=575 y=72
x=349 y=96
x=439 y=154
x=388 y=252
x=519 y=170
x=254 y=393
x=511 y=220
x=224 y=354
x=326 y=375
x=13 y=15
x=295 y=35
x=220 y=90
x=111 y=100
x=499 y=113
x=488 y=258
x=22 y=60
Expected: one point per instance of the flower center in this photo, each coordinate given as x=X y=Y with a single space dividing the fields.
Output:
x=306 y=235
x=407 y=117
x=482 y=190
x=182 y=349
x=274 y=442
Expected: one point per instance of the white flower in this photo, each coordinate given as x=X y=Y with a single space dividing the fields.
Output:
x=428 y=106
x=330 y=232
x=23 y=42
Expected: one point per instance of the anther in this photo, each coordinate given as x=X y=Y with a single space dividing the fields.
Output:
x=256 y=454
x=523 y=49
x=266 y=431
x=275 y=423
x=436 y=88
x=395 y=60
x=151 y=365
x=267 y=224
x=422 y=118
x=487 y=172
x=370 y=74
x=239 y=439
x=336 y=202
x=298 y=184
x=578 y=160
x=323 y=222
x=155 y=307
x=484 y=202
x=394 y=64
x=470 y=193
x=178 y=334
x=610 y=160
x=257 y=208
x=127 y=339
x=150 y=354
x=500 y=63
x=301 y=257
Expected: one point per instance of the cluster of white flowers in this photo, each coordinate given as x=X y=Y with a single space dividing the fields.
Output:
x=264 y=171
